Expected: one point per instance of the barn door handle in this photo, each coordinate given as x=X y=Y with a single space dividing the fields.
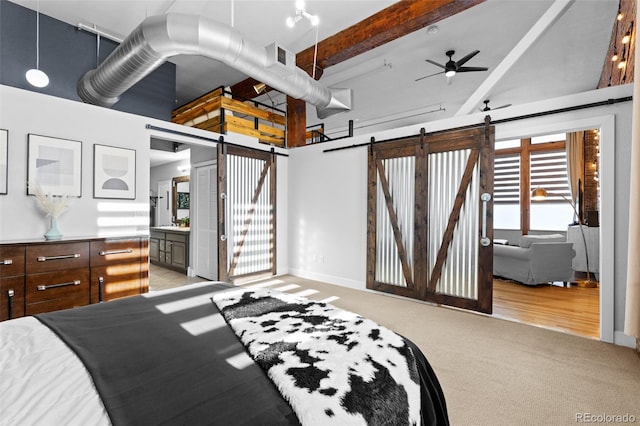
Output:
x=223 y=233
x=484 y=241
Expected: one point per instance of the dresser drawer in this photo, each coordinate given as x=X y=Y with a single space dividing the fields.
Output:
x=50 y=286
x=115 y=281
x=176 y=237
x=57 y=257
x=11 y=261
x=111 y=252
x=11 y=298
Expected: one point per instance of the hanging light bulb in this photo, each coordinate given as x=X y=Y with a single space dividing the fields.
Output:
x=626 y=37
x=36 y=77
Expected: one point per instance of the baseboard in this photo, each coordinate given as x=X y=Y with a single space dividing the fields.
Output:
x=330 y=279
x=621 y=339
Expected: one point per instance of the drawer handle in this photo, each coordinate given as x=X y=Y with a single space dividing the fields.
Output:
x=106 y=253
x=64 y=256
x=6 y=262
x=10 y=294
x=100 y=288
x=47 y=287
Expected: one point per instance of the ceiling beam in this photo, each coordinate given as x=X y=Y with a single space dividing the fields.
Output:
x=555 y=11
x=399 y=19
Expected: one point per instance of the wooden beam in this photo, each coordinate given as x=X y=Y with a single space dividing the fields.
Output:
x=397 y=20
x=296 y=122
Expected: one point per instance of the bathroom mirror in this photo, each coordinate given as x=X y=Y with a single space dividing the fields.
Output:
x=181 y=200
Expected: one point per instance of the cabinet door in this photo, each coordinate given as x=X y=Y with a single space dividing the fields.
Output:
x=179 y=254
x=154 y=249
x=115 y=281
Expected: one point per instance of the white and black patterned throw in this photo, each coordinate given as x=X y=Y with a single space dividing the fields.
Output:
x=333 y=366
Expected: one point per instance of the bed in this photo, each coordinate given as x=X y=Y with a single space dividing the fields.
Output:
x=211 y=353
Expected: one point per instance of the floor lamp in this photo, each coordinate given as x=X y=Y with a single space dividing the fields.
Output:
x=540 y=194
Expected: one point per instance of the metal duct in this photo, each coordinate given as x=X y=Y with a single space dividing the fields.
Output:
x=160 y=37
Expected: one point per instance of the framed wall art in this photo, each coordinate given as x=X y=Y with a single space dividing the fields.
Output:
x=4 y=157
x=55 y=164
x=114 y=172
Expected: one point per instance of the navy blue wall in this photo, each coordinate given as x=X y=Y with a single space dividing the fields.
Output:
x=66 y=54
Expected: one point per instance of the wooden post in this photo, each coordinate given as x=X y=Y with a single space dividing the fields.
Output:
x=296 y=122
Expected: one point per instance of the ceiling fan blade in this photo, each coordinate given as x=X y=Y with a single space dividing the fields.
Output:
x=469 y=69
x=430 y=75
x=466 y=58
x=435 y=63
x=502 y=106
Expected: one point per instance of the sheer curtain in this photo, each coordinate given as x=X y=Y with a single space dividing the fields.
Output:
x=575 y=163
x=632 y=308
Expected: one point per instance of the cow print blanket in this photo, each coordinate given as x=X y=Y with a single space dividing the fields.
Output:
x=333 y=367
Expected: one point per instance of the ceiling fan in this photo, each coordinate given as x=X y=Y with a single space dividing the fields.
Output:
x=488 y=108
x=452 y=67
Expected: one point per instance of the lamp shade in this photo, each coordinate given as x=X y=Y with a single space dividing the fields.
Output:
x=37 y=78
x=538 y=194
x=259 y=87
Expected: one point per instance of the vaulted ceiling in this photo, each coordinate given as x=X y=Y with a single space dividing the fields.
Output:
x=534 y=49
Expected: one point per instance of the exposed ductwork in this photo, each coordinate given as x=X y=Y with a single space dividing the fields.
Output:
x=160 y=37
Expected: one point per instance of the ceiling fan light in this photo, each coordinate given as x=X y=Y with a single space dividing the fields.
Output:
x=37 y=78
x=450 y=73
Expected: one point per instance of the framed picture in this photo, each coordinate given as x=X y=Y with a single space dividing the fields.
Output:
x=114 y=172
x=183 y=200
x=4 y=155
x=55 y=164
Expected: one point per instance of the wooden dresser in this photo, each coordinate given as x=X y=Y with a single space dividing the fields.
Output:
x=43 y=276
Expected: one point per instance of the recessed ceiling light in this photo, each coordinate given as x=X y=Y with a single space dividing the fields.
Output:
x=433 y=29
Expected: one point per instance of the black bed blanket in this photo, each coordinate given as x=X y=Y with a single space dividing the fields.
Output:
x=169 y=359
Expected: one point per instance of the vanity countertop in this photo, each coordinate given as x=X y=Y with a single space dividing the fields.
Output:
x=181 y=229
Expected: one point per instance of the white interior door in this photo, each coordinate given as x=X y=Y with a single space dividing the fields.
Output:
x=205 y=226
x=163 y=209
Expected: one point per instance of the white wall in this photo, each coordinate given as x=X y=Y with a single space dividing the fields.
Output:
x=328 y=192
x=23 y=112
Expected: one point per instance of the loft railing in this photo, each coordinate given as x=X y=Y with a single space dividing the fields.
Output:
x=218 y=112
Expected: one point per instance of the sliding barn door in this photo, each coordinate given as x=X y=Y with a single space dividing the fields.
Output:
x=247 y=188
x=430 y=212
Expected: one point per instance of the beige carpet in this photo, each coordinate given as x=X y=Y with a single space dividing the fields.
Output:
x=497 y=372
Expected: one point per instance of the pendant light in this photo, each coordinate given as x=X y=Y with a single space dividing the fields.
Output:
x=35 y=76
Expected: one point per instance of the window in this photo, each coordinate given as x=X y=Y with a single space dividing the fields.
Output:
x=549 y=171
x=522 y=165
x=506 y=209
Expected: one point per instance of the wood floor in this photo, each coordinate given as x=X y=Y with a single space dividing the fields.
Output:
x=573 y=309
